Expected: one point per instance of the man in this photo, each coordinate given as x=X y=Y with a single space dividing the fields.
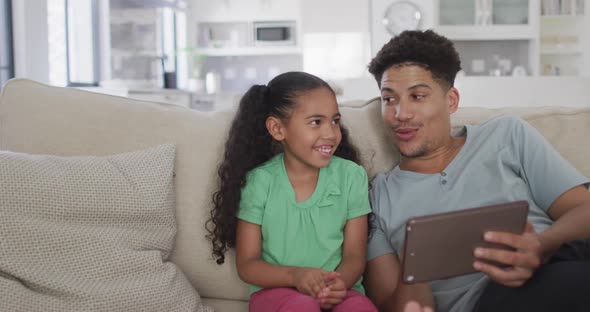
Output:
x=501 y=160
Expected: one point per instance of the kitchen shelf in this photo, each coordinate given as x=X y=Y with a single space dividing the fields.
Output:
x=491 y=32
x=562 y=17
x=242 y=51
x=560 y=51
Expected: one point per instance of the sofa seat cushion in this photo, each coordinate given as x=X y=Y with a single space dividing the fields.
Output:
x=90 y=233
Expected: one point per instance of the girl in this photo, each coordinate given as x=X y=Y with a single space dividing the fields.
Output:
x=292 y=200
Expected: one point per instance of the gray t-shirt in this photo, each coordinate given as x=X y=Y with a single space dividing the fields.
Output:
x=503 y=159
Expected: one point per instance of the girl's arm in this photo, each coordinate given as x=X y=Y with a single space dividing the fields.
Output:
x=354 y=251
x=253 y=270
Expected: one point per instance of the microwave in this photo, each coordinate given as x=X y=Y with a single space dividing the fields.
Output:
x=274 y=33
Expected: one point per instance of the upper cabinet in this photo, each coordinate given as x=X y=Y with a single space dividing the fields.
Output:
x=503 y=37
x=515 y=37
x=245 y=27
x=487 y=19
x=493 y=37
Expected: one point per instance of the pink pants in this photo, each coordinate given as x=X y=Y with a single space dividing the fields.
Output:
x=290 y=300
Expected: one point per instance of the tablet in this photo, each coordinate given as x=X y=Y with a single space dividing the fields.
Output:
x=441 y=245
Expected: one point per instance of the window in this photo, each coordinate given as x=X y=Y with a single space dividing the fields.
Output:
x=56 y=31
x=83 y=61
x=143 y=43
x=6 y=58
x=122 y=41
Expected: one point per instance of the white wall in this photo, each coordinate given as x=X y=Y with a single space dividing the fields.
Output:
x=104 y=35
x=336 y=38
x=492 y=92
x=30 y=39
x=244 y=10
x=335 y=15
x=585 y=42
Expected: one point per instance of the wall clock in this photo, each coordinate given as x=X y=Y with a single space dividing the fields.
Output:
x=400 y=16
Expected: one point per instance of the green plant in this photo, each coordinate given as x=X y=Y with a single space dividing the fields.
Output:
x=195 y=60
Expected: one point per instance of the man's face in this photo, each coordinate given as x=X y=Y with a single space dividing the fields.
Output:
x=416 y=109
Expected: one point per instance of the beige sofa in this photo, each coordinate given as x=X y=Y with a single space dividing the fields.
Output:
x=40 y=119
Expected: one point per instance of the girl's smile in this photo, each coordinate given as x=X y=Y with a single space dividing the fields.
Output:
x=325 y=150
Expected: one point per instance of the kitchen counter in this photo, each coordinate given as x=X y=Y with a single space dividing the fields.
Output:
x=218 y=102
x=170 y=96
x=479 y=91
x=158 y=91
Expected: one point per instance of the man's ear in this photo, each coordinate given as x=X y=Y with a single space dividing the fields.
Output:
x=453 y=100
x=275 y=128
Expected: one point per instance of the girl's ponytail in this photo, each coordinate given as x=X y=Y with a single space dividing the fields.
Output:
x=248 y=145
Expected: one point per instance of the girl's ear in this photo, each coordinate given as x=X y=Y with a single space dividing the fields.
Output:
x=275 y=128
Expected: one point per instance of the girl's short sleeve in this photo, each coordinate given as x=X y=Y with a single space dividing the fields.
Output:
x=358 y=192
x=254 y=196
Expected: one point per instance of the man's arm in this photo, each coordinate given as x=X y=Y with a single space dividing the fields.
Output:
x=571 y=211
x=385 y=289
x=554 y=184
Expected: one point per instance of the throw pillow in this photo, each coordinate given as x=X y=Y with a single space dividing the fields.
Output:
x=90 y=233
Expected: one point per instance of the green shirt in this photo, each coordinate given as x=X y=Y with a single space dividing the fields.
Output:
x=308 y=233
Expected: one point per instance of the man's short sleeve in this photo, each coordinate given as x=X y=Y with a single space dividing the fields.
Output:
x=379 y=244
x=358 y=193
x=546 y=172
x=254 y=196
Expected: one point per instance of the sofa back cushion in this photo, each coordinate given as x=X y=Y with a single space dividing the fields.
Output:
x=35 y=118
x=565 y=128
x=368 y=133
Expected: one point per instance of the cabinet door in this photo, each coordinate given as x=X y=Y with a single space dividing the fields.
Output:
x=510 y=12
x=487 y=19
x=456 y=12
x=483 y=12
x=245 y=10
x=277 y=9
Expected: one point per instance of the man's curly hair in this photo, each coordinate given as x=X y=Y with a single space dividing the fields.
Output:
x=427 y=49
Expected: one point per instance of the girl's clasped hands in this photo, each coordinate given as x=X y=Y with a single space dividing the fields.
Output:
x=327 y=287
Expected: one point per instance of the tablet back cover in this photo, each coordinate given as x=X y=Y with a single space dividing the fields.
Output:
x=441 y=245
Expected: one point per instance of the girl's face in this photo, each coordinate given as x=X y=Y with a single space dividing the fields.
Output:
x=311 y=134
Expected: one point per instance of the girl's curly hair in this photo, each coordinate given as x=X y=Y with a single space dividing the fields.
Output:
x=249 y=145
x=428 y=49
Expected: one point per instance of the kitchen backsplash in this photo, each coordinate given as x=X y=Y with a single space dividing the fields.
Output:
x=237 y=73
